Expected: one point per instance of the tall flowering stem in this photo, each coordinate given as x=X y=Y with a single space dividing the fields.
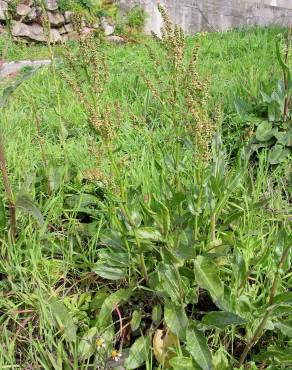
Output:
x=8 y=191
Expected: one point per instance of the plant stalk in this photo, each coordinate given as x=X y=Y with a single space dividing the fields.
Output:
x=8 y=191
x=286 y=76
x=41 y=144
x=129 y=218
x=213 y=227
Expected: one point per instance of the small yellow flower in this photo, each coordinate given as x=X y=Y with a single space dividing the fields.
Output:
x=116 y=355
x=100 y=343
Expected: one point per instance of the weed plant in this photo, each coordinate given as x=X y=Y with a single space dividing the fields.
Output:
x=139 y=243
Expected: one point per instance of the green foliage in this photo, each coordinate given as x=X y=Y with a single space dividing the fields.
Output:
x=90 y=8
x=138 y=354
x=136 y=18
x=137 y=234
x=198 y=348
x=276 y=132
x=12 y=5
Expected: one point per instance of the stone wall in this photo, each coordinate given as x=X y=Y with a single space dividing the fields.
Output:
x=26 y=22
x=215 y=15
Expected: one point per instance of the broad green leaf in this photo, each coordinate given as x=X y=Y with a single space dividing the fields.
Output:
x=63 y=318
x=138 y=354
x=115 y=258
x=278 y=154
x=184 y=251
x=112 y=263
x=284 y=138
x=222 y=319
x=182 y=363
x=109 y=304
x=175 y=319
x=149 y=234
x=24 y=203
x=220 y=360
x=112 y=239
x=136 y=320
x=274 y=111
x=56 y=176
x=281 y=310
x=264 y=131
x=283 y=298
x=78 y=201
x=3 y=216
x=163 y=215
x=285 y=326
x=207 y=277
x=87 y=344
x=283 y=355
x=109 y=272
x=10 y=89
x=98 y=299
x=169 y=282
x=156 y=314
x=196 y=344
x=136 y=218
x=86 y=203
x=242 y=107
x=266 y=97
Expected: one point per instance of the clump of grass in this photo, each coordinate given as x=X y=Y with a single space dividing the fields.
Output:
x=8 y=190
x=136 y=18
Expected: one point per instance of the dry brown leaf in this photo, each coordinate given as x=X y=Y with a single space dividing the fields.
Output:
x=163 y=341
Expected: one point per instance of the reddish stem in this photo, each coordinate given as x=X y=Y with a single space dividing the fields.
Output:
x=120 y=320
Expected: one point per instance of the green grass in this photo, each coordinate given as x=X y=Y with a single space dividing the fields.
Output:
x=77 y=266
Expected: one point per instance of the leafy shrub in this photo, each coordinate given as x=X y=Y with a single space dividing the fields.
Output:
x=12 y=5
x=77 y=6
x=96 y=8
x=275 y=133
x=136 y=18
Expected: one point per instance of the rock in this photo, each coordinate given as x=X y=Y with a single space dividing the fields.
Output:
x=33 y=14
x=56 y=19
x=33 y=32
x=108 y=28
x=96 y=26
x=65 y=37
x=3 y=10
x=62 y=30
x=22 y=9
x=55 y=35
x=73 y=35
x=68 y=16
x=51 y=5
x=22 y=40
x=116 y=40
x=86 y=31
x=11 y=68
x=26 y=2
x=69 y=27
